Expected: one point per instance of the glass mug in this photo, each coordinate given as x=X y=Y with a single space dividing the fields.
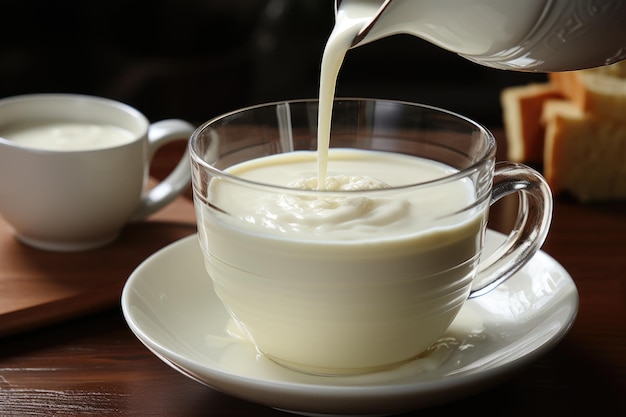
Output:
x=340 y=282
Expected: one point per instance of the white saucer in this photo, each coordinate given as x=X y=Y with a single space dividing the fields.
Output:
x=170 y=305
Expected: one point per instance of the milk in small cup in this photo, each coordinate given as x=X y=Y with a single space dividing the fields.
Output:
x=74 y=168
x=67 y=136
x=369 y=271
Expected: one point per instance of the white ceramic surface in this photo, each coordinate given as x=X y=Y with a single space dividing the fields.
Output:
x=170 y=305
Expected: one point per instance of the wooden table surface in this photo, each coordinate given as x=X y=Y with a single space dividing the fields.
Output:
x=94 y=366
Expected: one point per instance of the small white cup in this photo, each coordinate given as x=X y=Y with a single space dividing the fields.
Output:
x=70 y=199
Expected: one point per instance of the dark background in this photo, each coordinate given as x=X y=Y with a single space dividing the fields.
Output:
x=195 y=59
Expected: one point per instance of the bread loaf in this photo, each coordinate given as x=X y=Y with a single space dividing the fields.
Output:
x=522 y=107
x=584 y=156
x=599 y=91
x=580 y=137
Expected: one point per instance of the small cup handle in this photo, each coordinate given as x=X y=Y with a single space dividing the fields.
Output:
x=159 y=134
x=534 y=216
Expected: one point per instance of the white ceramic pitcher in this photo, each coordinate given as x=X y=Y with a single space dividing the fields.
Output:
x=526 y=35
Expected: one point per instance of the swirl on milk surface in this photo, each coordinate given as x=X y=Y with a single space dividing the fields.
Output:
x=352 y=205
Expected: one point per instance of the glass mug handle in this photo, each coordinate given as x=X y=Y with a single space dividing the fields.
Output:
x=529 y=231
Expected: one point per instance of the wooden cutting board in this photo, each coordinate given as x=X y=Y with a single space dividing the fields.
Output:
x=38 y=288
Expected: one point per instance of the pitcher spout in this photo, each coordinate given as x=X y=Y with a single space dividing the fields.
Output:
x=363 y=8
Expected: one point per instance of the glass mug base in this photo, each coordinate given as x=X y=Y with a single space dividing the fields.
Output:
x=335 y=372
x=428 y=359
